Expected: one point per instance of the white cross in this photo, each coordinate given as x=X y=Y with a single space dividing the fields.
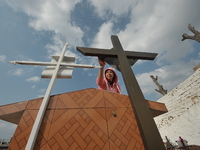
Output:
x=60 y=67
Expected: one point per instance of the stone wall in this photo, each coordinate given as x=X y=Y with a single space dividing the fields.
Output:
x=183 y=117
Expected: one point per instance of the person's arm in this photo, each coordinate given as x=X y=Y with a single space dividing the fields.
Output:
x=100 y=77
x=101 y=70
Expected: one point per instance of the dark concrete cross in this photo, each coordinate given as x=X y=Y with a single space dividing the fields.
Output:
x=122 y=59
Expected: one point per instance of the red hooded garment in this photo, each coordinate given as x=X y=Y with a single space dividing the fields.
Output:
x=103 y=84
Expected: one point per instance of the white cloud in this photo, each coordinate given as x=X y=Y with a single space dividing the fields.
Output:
x=102 y=39
x=155 y=26
x=2 y=58
x=117 y=7
x=12 y=126
x=2 y=125
x=33 y=79
x=57 y=46
x=168 y=76
x=52 y=16
x=39 y=96
x=89 y=74
x=6 y=130
x=42 y=90
x=17 y=72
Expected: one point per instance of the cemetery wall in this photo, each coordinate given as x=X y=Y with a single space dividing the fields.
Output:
x=183 y=116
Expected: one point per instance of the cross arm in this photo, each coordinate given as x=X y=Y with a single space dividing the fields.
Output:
x=141 y=55
x=103 y=53
x=53 y=64
x=96 y=52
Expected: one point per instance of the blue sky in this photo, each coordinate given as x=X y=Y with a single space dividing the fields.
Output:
x=35 y=30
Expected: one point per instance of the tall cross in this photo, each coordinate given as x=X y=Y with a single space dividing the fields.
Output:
x=59 y=67
x=122 y=60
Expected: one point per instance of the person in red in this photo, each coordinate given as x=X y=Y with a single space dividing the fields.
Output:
x=108 y=79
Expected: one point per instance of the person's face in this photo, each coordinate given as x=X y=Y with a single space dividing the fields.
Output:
x=109 y=75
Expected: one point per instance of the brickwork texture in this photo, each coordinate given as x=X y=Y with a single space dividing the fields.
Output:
x=183 y=116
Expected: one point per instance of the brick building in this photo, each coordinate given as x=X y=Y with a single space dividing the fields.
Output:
x=84 y=119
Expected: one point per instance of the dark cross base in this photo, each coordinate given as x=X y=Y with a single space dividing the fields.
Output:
x=122 y=60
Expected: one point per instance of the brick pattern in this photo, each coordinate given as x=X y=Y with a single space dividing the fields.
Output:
x=12 y=108
x=81 y=120
x=77 y=129
x=12 y=112
x=123 y=130
x=23 y=130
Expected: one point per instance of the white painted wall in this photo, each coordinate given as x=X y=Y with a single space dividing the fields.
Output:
x=183 y=117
